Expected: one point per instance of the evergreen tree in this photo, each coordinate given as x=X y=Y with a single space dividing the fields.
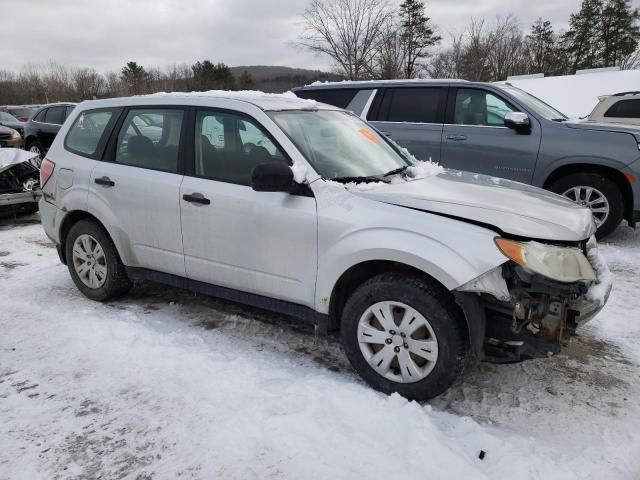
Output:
x=416 y=34
x=246 y=81
x=619 y=32
x=541 y=44
x=581 y=42
x=207 y=76
x=135 y=77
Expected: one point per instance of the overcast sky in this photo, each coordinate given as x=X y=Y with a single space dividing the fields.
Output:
x=104 y=34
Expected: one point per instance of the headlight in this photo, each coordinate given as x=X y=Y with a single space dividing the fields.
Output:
x=15 y=134
x=564 y=264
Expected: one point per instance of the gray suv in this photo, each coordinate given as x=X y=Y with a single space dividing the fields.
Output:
x=502 y=131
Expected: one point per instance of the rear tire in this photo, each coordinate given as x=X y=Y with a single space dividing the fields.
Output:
x=409 y=298
x=87 y=237
x=601 y=185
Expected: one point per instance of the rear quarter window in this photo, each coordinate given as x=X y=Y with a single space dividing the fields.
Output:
x=87 y=131
x=624 y=109
x=411 y=104
x=340 y=97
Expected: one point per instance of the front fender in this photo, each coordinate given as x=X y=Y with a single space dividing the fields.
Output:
x=466 y=255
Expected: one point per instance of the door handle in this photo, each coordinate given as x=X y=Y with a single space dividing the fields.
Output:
x=387 y=134
x=196 y=198
x=104 y=181
x=456 y=138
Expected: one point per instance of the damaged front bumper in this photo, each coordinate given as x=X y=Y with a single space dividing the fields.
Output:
x=514 y=314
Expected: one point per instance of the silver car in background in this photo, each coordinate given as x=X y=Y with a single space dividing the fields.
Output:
x=304 y=209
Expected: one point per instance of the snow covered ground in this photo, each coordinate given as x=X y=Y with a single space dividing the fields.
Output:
x=165 y=384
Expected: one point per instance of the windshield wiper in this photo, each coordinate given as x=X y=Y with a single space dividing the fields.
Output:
x=559 y=120
x=362 y=179
x=395 y=171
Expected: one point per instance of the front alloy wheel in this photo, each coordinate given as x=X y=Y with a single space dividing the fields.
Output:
x=397 y=341
x=404 y=333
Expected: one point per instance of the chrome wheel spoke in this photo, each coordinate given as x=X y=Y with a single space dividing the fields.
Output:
x=593 y=199
x=384 y=314
x=408 y=369
x=426 y=349
x=369 y=334
x=381 y=361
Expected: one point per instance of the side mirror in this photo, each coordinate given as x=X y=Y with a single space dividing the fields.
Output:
x=518 y=121
x=272 y=177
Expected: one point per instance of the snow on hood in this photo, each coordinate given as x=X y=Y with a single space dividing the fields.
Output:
x=511 y=207
x=13 y=156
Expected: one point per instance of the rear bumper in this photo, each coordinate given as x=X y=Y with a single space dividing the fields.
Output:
x=8 y=199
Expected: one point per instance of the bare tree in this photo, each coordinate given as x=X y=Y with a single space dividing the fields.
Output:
x=388 y=58
x=348 y=31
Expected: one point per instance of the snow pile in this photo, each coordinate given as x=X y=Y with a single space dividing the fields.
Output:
x=424 y=169
x=577 y=95
x=299 y=171
x=601 y=288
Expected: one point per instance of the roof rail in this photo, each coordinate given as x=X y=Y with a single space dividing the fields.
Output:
x=622 y=94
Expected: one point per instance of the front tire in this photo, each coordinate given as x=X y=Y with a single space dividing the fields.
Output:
x=598 y=193
x=403 y=333
x=94 y=263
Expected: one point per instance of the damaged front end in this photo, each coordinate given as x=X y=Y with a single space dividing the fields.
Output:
x=19 y=182
x=515 y=313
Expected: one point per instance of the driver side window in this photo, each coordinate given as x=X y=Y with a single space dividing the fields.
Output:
x=479 y=107
x=229 y=147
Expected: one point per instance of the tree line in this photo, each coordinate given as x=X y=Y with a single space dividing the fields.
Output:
x=53 y=82
x=367 y=39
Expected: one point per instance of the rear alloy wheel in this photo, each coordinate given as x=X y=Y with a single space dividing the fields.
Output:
x=597 y=192
x=94 y=263
x=404 y=333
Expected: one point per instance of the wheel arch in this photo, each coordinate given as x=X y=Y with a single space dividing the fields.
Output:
x=69 y=220
x=610 y=172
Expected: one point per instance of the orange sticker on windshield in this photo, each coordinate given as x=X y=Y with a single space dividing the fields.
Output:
x=369 y=135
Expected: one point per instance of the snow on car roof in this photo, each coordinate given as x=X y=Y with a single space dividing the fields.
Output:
x=264 y=101
x=372 y=83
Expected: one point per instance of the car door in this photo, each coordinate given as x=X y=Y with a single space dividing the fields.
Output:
x=475 y=138
x=413 y=117
x=263 y=243
x=53 y=119
x=136 y=190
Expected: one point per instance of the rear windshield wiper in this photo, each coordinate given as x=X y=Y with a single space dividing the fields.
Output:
x=395 y=171
x=362 y=179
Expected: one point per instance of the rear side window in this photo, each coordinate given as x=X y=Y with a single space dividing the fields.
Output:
x=411 y=104
x=56 y=115
x=624 y=109
x=150 y=138
x=40 y=116
x=340 y=97
x=87 y=131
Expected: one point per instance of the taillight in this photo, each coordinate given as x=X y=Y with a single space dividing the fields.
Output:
x=46 y=170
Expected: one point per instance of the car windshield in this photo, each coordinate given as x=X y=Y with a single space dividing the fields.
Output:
x=7 y=117
x=338 y=144
x=20 y=112
x=535 y=104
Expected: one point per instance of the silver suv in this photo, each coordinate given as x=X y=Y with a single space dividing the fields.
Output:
x=501 y=130
x=304 y=209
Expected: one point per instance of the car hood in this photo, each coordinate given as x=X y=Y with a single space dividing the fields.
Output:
x=606 y=127
x=13 y=156
x=511 y=207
